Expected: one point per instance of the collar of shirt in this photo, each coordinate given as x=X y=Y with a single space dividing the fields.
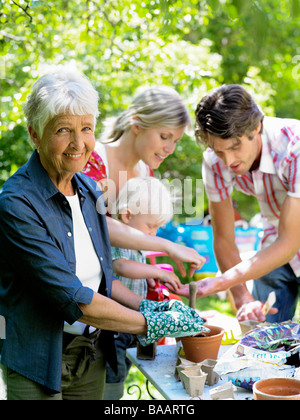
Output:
x=40 y=178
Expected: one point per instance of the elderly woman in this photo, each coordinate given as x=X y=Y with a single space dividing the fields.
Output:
x=57 y=293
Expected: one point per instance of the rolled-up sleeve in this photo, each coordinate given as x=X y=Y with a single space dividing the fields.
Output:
x=291 y=169
x=72 y=311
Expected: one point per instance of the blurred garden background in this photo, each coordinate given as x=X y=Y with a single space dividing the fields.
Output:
x=191 y=45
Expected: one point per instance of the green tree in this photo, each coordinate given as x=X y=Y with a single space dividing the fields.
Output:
x=191 y=45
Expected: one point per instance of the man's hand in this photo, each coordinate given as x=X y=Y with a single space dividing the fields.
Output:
x=251 y=310
x=205 y=287
x=254 y=311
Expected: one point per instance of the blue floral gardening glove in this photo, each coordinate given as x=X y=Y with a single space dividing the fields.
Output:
x=169 y=319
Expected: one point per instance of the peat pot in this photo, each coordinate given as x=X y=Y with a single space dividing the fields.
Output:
x=193 y=381
x=203 y=346
x=277 y=389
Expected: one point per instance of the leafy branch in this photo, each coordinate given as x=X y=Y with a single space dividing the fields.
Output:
x=25 y=9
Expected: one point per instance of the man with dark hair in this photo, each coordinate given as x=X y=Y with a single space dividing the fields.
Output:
x=228 y=112
x=259 y=156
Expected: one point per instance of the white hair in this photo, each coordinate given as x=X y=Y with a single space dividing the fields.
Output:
x=145 y=195
x=153 y=107
x=60 y=92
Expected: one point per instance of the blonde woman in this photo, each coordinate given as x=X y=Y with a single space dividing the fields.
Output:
x=133 y=144
x=139 y=139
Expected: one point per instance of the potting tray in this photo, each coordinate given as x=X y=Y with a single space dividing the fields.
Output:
x=160 y=373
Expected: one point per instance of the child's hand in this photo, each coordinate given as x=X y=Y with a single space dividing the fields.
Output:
x=180 y=253
x=151 y=284
x=170 y=280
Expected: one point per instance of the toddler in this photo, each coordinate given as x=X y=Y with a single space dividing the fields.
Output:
x=144 y=203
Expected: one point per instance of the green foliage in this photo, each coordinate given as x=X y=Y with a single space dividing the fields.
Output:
x=191 y=45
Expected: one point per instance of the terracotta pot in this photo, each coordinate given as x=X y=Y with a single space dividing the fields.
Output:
x=199 y=348
x=277 y=389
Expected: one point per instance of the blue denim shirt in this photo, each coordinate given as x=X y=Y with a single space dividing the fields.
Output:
x=38 y=286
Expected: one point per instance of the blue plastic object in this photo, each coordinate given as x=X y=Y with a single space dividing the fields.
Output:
x=200 y=238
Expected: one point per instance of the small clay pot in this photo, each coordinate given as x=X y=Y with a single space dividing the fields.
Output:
x=203 y=346
x=277 y=389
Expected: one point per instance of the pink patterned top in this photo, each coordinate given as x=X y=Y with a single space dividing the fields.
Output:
x=95 y=168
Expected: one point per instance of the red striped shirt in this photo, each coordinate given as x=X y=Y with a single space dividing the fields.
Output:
x=278 y=176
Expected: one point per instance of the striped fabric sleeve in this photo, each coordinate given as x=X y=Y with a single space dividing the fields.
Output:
x=291 y=162
x=217 y=185
x=117 y=253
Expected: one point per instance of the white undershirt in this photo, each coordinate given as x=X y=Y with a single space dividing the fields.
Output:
x=88 y=267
